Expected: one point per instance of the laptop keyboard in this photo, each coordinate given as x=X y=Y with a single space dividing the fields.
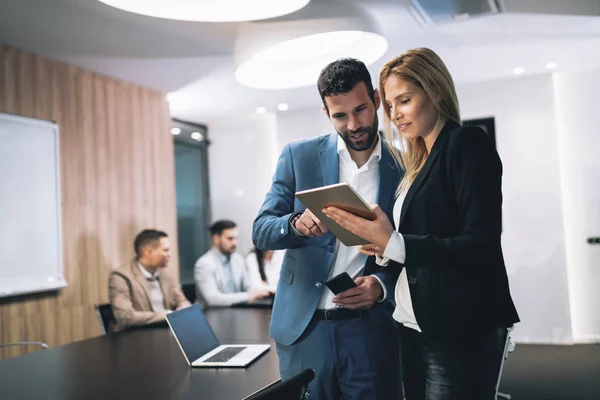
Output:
x=225 y=355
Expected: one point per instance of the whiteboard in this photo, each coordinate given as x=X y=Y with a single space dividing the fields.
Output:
x=30 y=215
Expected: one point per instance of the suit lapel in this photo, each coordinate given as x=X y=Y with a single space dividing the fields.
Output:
x=141 y=281
x=164 y=283
x=329 y=160
x=423 y=174
x=388 y=172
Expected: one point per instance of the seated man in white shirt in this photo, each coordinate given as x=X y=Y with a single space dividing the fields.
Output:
x=221 y=276
x=141 y=292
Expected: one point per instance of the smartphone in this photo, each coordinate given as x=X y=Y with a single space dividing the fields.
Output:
x=340 y=283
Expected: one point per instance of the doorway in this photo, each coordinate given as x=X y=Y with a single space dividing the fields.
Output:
x=192 y=193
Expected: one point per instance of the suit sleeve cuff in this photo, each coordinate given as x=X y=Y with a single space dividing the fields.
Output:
x=292 y=228
x=395 y=250
x=383 y=290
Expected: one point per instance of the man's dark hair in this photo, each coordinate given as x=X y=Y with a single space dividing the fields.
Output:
x=145 y=238
x=341 y=76
x=218 y=227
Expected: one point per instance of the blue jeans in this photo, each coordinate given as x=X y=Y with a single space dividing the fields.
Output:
x=463 y=372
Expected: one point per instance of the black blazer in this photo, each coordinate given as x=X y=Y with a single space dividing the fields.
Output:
x=451 y=224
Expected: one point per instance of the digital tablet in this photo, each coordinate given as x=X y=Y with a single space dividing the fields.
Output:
x=340 y=195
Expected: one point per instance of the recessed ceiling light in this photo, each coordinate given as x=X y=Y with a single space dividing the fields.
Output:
x=175 y=131
x=197 y=136
x=290 y=54
x=551 y=65
x=518 y=71
x=298 y=62
x=282 y=106
x=261 y=110
x=210 y=11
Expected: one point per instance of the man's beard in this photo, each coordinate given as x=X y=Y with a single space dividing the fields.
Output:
x=225 y=251
x=371 y=131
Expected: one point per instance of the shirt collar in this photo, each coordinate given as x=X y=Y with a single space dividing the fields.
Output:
x=342 y=149
x=222 y=257
x=147 y=274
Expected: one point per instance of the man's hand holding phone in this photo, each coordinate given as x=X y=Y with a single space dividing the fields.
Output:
x=359 y=294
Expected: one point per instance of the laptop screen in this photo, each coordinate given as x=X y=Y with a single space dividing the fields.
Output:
x=193 y=332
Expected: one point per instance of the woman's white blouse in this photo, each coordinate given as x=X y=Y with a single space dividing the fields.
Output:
x=396 y=251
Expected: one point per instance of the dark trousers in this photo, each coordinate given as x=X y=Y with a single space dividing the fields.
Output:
x=355 y=359
x=464 y=372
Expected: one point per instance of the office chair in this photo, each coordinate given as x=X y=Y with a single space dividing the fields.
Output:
x=44 y=346
x=189 y=291
x=295 y=388
x=41 y=344
x=105 y=317
x=509 y=347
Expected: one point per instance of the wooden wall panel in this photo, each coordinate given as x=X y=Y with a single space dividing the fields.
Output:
x=117 y=177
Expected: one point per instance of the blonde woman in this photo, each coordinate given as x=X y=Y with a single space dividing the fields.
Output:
x=452 y=298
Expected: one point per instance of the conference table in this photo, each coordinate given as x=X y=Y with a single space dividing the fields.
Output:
x=143 y=364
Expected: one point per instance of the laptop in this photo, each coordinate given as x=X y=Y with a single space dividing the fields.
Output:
x=201 y=347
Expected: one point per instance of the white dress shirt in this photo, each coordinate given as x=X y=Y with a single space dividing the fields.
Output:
x=365 y=180
x=212 y=279
x=271 y=268
x=396 y=250
x=156 y=296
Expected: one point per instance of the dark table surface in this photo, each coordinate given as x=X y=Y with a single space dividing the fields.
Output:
x=142 y=364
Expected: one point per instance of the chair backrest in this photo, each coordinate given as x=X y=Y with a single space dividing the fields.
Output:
x=294 y=388
x=43 y=345
x=189 y=291
x=25 y=346
x=509 y=347
x=105 y=317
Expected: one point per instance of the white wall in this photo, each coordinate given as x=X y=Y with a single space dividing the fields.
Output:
x=577 y=107
x=533 y=236
x=242 y=158
x=306 y=123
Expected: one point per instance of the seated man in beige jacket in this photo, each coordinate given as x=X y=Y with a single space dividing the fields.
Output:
x=142 y=292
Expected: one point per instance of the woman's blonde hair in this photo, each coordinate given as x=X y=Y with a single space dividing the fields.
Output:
x=424 y=68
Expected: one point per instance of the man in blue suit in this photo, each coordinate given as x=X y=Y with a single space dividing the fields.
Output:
x=350 y=340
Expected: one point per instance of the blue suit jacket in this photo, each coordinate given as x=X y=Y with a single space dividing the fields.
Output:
x=305 y=165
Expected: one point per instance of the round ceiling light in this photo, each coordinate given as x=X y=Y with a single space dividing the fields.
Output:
x=209 y=10
x=290 y=54
x=298 y=62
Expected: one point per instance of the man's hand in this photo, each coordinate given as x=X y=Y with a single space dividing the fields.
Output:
x=361 y=297
x=257 y=294
x=309 y=225
x=163 y=314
